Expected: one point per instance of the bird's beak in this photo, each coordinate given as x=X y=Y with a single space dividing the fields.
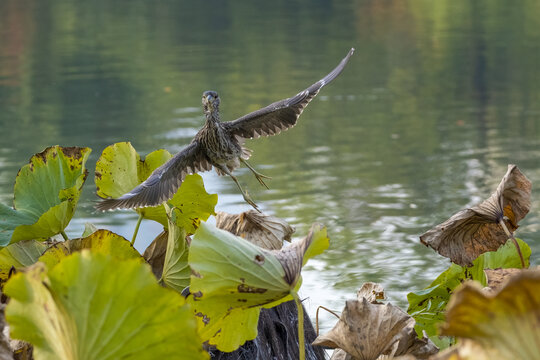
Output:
x=208 y=99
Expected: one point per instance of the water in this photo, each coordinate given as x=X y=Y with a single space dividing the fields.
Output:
x=437 y=100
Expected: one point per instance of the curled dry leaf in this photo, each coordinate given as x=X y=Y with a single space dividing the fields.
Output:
x=368 y=330
x=155 y=253
x=294 y=256
x=474 y=231
x=264 y=230
x=372 y=292
x=505 y=321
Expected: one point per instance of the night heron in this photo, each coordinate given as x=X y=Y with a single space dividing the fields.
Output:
x=220 y=145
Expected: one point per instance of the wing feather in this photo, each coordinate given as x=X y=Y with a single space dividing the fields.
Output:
x=163 y=183
x=283 y=114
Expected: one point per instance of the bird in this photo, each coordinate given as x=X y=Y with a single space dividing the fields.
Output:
x=219 y=145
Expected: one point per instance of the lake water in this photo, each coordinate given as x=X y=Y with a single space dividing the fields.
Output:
x=437 y=100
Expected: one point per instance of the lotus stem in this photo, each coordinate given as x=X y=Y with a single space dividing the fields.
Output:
x=64 y=235
x=301 y=340
x=317 y=317
x=136 y=230
x=511 y=236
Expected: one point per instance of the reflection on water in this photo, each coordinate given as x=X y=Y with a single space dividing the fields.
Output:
x=437 y=100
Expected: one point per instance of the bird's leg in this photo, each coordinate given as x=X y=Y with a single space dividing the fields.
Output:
x=246 y=196
x=257 y=174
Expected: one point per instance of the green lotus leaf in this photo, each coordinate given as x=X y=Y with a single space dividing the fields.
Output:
x=176 y=271
x=232 y=279
x=120 y=169
x=428 y=306
x=19 y=255
x=45 y=195
x=102 y=241
x=94 y=306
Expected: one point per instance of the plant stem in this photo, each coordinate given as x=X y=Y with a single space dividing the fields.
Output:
x=64 y=235
x=511 y=236
x=136 y=230
x=301 y=341
x=317 y=317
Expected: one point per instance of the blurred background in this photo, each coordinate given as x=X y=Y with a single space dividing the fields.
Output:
x=438 y=98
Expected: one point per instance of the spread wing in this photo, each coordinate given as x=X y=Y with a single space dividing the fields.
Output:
x=163 y=183
x=281 y=115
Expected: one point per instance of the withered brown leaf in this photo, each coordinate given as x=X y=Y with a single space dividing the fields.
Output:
x=367 y=330
x=372 y=292
x=476 y=230
x=264 y=230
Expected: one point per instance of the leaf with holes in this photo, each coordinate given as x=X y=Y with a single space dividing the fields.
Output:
x=45 y=195
x=95 y=306
x=232 y=279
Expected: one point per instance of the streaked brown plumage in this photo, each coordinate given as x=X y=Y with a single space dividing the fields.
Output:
x=219 y=145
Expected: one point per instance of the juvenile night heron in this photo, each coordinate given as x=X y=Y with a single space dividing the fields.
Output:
x=220 y=145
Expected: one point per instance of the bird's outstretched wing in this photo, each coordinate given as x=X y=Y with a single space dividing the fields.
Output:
x=283 y=114
x=163 y=183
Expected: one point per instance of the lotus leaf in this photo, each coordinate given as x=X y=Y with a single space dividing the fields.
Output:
x=102 y=241
x=45 y=195
x=264 y=230
x=19 y=255
x=176 y=271
x=505 y=323
x=472 y=232
x=371 y=291
x=427 y=306
x=368 y=330
x=232 y=279
x=154 y=254
x=120 y=169
x=95 y=306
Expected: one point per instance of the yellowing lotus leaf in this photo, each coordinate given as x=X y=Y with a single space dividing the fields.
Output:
x=101 y=241
x=507 y=319
x=233 y=278
x=45 y=195
x=474 y=231
x=95 y=306
x=19 y=255
x=120 y=169
x=176 y=271
x=264 y=230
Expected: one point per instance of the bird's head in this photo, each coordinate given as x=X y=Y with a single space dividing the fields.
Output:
x=210 y=101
